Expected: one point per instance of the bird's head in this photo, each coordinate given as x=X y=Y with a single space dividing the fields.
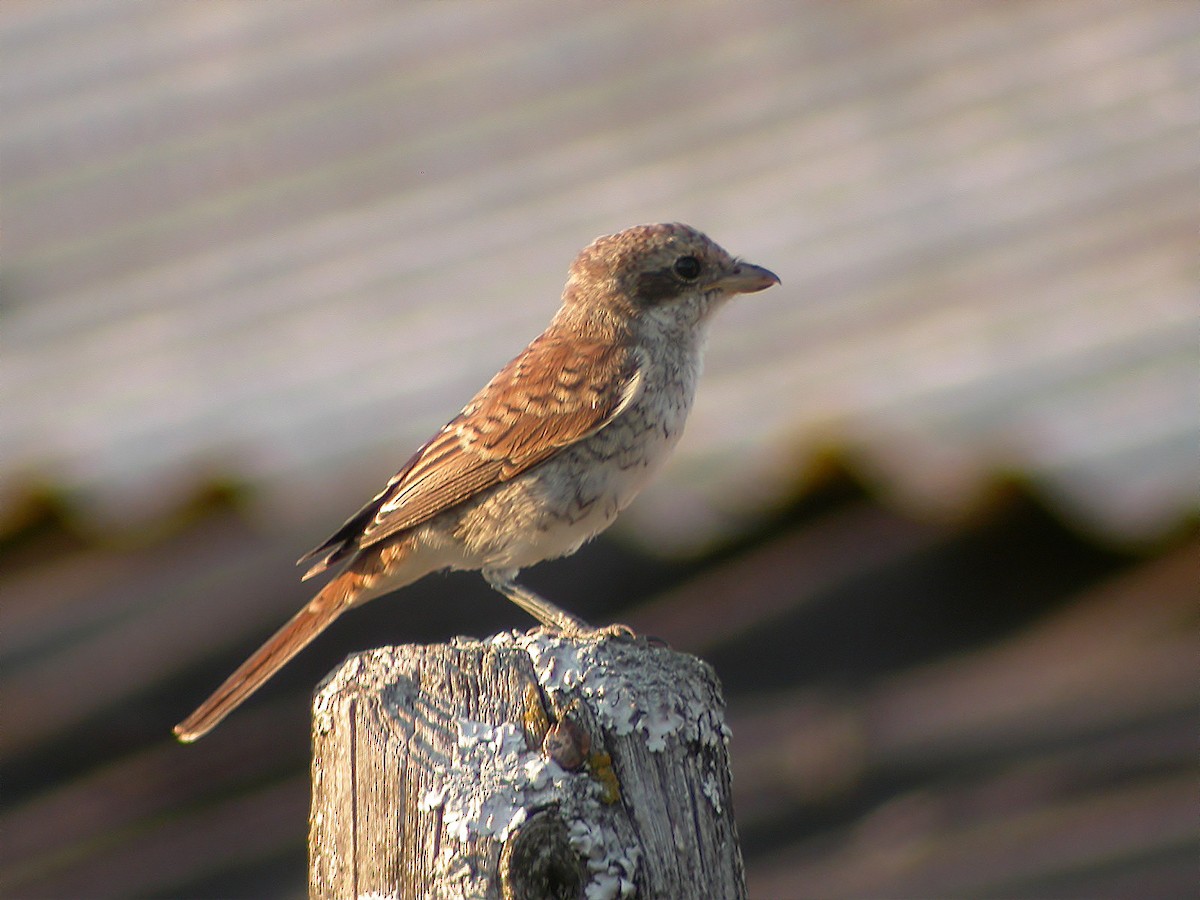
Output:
x=669 y=274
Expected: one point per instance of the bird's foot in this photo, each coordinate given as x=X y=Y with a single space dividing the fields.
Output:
x=616 y=630
x=586 y=632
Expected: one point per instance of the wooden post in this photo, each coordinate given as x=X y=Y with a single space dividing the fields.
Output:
x=524 y=766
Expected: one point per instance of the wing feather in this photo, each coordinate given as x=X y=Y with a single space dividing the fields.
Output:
x=558 y=391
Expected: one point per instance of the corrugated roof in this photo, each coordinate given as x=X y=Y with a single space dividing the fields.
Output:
x=917 y=710
x=287 y=242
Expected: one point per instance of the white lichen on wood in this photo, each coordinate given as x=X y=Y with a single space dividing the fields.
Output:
x=455 y=750
x=627 y=692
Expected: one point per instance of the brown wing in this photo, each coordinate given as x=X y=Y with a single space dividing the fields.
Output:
x=557 y=392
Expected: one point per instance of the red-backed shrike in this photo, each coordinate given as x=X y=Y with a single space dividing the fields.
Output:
x=545 y=456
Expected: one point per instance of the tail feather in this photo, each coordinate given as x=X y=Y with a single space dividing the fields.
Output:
x=334 y=599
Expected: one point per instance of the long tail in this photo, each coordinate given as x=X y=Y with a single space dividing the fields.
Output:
x=334 y=599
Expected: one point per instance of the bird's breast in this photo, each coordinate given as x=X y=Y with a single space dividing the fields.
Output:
x=609 y=468
x=555 y=507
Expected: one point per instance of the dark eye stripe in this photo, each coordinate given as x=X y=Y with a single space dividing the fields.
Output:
x=658 y=287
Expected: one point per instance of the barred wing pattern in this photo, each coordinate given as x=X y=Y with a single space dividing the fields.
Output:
x=558 y=391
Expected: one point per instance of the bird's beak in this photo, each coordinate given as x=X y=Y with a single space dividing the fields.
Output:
x=744 y=278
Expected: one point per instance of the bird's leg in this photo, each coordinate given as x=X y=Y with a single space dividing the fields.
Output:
x=539 y=607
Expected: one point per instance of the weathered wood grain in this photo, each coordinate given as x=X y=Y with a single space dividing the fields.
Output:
x=519 y=767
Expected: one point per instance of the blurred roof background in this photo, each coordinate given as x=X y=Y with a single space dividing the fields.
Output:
x=253 y=254
x=285 y=243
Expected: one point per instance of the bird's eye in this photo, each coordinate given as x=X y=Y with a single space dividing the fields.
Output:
x=687 y=268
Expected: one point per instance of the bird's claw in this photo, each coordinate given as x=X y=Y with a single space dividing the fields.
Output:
x=617 y=631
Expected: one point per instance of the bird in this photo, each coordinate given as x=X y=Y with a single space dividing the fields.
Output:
x=544 y=457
